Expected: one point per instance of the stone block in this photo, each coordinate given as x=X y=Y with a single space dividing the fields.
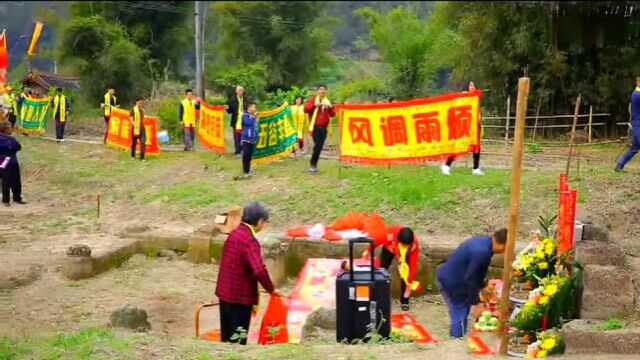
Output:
x=594 y=232
x=608 y=291
x=582 y=337
x=199 y=250
x=600 y=253
x=130 y=317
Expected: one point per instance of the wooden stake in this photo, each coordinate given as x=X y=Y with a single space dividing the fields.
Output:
x=98 y=205
x=506 y=133
x=516 y=172
x=590 y=122
x=573 y=134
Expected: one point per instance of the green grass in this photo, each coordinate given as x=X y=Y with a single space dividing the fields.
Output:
x=611 y=323
x=90 y=343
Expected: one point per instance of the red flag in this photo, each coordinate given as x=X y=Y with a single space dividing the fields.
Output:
x=4 y=58
x=273 y=329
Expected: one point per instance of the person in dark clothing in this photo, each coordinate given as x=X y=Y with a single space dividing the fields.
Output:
x=248 y=137
x=138 y=132
x=462 y=277
x=61 y=108
x=634 y=110
x=9 y=170
x=320 y=112
x=446 y=168
x=236 y=106
x=241 y=269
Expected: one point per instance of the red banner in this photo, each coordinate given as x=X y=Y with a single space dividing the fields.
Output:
x=4 y=58
x=566 y=215
x=210 y=127
x=119 y=135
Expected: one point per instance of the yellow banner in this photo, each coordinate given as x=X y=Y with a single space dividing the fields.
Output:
x=412 y=131
x=210 y=128
x=34 y=38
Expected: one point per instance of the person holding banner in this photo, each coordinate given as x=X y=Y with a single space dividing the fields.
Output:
x=321 y=111
x=10 y=100
x=24 y=95
x=109 y=101
x=634 y=110
x=248 y=138
x=61 y=108
x=9 y=166
x=138 y=133
x=187 y=118
x=446 y=168
x=236 y=106
x=301 y=120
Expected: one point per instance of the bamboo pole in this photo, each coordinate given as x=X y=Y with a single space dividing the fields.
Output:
x=590 y=122
x=535 y=125
x=98 y=205
x=506 y=133
x=521 y=110
x=573 y=134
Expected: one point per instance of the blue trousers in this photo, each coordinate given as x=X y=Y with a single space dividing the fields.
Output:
x=458 y=313
x=635 y=147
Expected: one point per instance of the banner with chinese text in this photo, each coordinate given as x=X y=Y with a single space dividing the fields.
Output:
x=412 y=131
x=276 y=134
x=210 y=128
x=120 y=137
x=566 y=215
x=33 y=116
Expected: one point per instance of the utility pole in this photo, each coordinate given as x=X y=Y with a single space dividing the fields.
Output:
x=199 y=43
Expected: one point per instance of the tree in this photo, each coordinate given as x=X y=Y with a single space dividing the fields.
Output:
x=288 y=37
x=159 y=27
x=413 y=49
x=104 y=57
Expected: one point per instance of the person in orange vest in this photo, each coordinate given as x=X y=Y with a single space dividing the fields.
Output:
x=187 y=118
x=138 y=133
x=402 y=245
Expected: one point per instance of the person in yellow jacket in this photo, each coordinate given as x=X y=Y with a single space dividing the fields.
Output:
x=12 y=105
x=301 y=121
x=109 y=101
x=187 y=117
x=61 y=108
x=138 y=133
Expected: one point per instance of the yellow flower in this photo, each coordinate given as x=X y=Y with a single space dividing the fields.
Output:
x=548 y=249
x=541 y=354
x=543 y=265
x=528 y=356
x=548 y=344
x=550 y=290
x=543 y=301
x=539 y=253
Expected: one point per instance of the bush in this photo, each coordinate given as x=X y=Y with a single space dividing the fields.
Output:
x=250 y=76
x=275 y=99
x=167 y=112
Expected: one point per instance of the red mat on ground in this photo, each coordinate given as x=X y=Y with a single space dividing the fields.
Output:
x=407 y=325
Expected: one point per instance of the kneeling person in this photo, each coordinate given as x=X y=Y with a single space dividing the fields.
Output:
x=401 y=244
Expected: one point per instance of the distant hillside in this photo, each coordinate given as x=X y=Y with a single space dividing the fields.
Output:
x=352 y=26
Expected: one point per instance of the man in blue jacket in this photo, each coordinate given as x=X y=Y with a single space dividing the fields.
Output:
x=248 y=137
x=9 y=166
x=634 y=109
x=462 y=277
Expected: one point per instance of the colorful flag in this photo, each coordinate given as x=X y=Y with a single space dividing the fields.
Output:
x=32 y=118
x=276 y=134
x=410 y=132
x=210 y=127
x=4 y=58
x=119 y=135
x=34 y=38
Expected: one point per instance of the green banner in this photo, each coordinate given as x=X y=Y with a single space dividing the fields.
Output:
x=276 y=134
x=32 y=118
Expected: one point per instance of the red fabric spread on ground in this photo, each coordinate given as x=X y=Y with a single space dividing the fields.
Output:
x=274 y=317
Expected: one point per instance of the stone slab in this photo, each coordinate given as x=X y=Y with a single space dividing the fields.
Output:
x=608 y=291
x=582 y=337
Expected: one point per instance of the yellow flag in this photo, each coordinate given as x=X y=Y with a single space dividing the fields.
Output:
x=34 y=39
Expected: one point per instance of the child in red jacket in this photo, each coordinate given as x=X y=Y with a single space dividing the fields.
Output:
x=402 y=245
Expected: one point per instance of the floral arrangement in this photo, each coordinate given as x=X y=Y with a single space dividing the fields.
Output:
x=548 y=300
x=548 y=343
x=535 y=261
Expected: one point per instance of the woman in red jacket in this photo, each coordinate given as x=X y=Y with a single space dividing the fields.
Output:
x=401 y=244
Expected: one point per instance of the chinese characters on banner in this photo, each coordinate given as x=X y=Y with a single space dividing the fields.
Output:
x=566 y=215
x=120 y=127
x=411 y=131
x=33 y=116
x=276 y=134
x=210 y=127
